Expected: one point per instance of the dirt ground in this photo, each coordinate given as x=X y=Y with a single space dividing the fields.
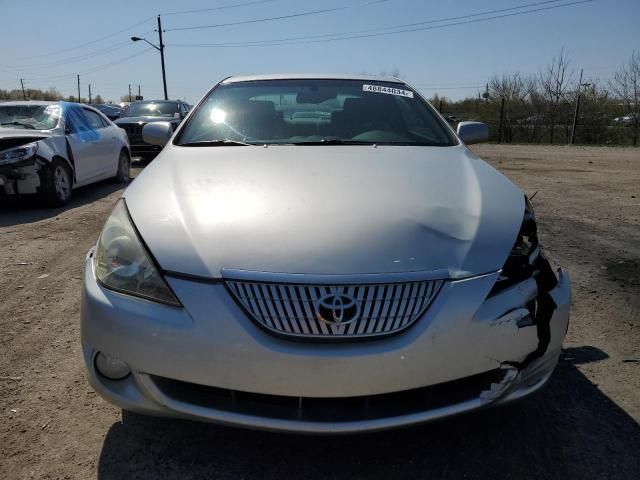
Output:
x=583 y=425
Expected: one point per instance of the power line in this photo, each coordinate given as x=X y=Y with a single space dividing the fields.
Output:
x=223 y=7
x=280 y=17
x=84 y=44
x=78 y=58
x=325 y=35
x=355 y=35
x=130 y=27
x=92 y=70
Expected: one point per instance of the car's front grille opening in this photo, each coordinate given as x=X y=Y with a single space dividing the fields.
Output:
x=132 y=129
x=335 y=312
x=330 y=409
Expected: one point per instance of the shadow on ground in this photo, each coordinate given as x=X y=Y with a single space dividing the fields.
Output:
x=569 y=430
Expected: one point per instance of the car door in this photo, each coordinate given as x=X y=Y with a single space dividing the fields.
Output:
x=79 y=140
x=104 y=148
x=86 y=144
x=113 y=136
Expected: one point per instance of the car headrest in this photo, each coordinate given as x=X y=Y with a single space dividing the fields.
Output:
x=256 y=108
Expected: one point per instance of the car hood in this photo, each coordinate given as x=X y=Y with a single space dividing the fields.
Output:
x=6 y=133
x=325 y=210
x=128 y=120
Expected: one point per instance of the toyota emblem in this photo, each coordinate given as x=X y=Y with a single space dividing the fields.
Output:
x=337 y=309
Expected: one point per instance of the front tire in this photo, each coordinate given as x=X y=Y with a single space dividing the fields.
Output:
x=57 y=183
x=124 y=168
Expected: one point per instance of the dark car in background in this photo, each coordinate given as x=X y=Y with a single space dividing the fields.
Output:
x=112 y=112
x=138 y=114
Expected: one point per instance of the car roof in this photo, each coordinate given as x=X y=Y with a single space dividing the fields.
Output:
x=156 y=101
x=310 y=76
x=29 y=102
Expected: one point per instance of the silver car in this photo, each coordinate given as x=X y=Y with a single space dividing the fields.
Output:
x=319 y=254
x=50 y=148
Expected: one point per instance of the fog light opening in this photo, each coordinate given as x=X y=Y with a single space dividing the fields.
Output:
x=111 y=367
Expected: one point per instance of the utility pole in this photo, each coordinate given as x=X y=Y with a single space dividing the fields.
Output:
x=129 y=93
x=24 y=95
x=78 y=88
x=577 y=111
x=164 y=75
x=161 y=50
x=501 y=120
x=90 y=94
x=139 y=94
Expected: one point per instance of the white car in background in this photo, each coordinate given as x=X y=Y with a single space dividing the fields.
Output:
x=50 y=148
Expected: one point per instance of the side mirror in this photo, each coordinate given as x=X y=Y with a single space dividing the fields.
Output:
x=473 y=132
x=157 y=133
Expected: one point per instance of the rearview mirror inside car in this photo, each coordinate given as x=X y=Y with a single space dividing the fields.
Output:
x=473 y=132
x=157 y=133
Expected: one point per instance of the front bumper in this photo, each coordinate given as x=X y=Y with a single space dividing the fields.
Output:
x=21 y=177
x=145 y=149
x=209 y=361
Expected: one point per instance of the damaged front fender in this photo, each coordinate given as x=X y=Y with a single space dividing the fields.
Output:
x=24 y=175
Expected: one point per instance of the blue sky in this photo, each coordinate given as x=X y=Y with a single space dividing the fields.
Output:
x=453 y=61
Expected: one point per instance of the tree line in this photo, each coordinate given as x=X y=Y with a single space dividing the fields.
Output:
x=542 y=107
x=50 y=95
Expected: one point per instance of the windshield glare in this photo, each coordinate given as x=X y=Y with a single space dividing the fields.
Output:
x=32 y=117
x=151 y=109
x=316 y=111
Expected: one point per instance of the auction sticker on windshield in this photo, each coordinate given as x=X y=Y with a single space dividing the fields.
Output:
x=387 y=90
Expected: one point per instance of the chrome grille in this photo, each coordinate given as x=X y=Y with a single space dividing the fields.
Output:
x=132 y=129
x=291 y=309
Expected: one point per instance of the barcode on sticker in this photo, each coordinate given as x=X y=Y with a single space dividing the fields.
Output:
x=387 y=90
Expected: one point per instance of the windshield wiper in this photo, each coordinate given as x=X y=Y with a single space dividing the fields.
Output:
x=25 y=125
x=225 y=142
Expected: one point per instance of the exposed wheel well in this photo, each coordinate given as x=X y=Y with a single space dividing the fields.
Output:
x=69 y=163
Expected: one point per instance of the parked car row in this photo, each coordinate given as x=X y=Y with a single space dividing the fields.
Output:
x=332 y=235
x=50 y=148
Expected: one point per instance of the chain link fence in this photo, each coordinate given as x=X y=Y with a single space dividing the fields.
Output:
x=597 y=123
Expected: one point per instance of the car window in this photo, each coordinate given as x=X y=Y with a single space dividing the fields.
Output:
x=310 y=111
x=95 y=121
x=105 y=121
x=30 y=117
x=78 y=122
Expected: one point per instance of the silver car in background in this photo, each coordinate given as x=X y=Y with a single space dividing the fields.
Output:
x=319 y=254
x=50 y=148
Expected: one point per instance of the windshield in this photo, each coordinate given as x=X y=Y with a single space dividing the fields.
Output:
x=330 y=112
x=151 y=109
x=31 y=117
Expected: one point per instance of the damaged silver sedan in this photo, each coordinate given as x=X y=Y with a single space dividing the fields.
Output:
x=319 y=254
x=50 y=148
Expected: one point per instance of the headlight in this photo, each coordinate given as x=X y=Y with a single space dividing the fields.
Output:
x=19 y=153
x=123 y=264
